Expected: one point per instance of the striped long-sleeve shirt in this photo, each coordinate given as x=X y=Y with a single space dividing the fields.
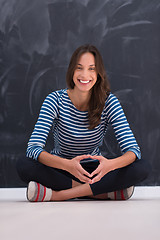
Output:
x=70 y=128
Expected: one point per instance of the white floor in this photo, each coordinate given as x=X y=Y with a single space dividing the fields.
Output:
x=137 y=218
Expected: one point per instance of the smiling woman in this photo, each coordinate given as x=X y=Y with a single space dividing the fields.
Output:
x=84 y=78
x=79 y=117
x=87 y=65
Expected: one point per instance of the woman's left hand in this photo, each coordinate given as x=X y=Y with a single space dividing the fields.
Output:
x=103 y=168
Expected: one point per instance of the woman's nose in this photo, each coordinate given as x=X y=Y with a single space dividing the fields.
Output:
x=85 y=73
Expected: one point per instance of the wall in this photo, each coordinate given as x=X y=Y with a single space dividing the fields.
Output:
x=37 y=38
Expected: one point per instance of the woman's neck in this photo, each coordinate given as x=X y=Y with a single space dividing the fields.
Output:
x=79 y=99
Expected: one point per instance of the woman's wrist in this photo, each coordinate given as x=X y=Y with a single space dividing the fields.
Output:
x=65 y=164
x=122 y=161
x=52 y=160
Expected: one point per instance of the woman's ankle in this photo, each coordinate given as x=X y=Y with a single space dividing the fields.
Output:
x=60 y=195
x=80 y=190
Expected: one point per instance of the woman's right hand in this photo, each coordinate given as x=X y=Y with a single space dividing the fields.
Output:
x=74 y=167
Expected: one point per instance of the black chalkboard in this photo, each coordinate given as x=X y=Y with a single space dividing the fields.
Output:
x=37 y=38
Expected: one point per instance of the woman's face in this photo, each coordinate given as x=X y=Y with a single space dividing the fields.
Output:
x=85 y=75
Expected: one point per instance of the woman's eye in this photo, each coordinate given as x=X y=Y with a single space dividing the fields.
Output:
x=92 y=69
x=79 y=68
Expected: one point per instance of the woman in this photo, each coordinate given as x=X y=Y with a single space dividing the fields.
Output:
x=79 y=117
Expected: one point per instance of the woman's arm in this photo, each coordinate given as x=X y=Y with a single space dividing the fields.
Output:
x=108 y=165
x=127 y=142
x=52 y=160
x=123 y=133
x=72 y=166
x=124 y=160
x=47 y=115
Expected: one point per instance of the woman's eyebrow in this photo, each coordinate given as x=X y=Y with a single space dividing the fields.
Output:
x=89 y=65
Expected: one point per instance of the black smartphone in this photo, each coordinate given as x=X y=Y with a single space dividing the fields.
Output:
x=89 y=160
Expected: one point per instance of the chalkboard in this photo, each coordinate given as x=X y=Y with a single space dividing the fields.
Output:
x=37 y=39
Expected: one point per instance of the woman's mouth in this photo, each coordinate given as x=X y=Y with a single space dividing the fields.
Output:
x=84 y=81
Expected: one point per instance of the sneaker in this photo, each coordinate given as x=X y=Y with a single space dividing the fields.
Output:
x=124 y=194
x=38 y=193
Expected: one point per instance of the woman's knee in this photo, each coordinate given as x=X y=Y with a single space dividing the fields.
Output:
x=143 y=169
x=146 y=168
x=23 y=169
x=19 y=168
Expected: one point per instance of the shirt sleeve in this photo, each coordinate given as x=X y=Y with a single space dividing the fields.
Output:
x=118 y=121
x=48 y=112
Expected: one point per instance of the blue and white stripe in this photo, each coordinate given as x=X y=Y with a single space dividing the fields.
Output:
x=116 y=117
x=70 y=128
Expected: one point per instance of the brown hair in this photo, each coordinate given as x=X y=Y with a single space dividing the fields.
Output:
x=101 y=88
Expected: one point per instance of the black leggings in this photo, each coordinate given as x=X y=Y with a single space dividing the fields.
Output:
x=57 y=179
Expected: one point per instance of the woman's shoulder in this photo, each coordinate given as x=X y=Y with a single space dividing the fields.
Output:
x=111 y=98
x=56 y=95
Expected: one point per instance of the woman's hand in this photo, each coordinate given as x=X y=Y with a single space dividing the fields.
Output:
x=75 y=168
x=104 y=167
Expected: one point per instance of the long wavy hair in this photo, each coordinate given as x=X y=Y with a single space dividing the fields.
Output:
x=100 y=90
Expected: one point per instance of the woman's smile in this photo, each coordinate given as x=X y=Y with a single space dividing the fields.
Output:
x=84 y=81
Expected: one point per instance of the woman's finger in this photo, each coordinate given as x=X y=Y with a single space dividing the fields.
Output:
x=81 y=157
x=96 y=171
x=97 y=157
x=83 y=171
x=97 y=178
x=83 y=178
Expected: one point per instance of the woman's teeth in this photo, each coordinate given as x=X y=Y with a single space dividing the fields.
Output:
x=83 y=81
